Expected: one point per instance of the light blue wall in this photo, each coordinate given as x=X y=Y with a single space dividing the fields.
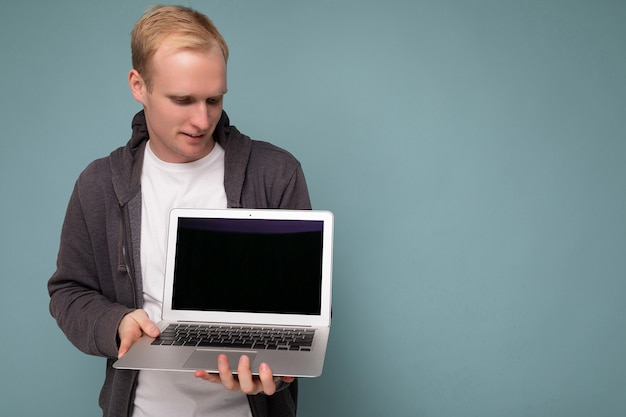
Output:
x=473 y=153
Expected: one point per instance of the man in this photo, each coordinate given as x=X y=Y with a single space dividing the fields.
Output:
x=107 y=289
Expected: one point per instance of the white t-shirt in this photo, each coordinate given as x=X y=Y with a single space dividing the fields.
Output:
x=165 y=186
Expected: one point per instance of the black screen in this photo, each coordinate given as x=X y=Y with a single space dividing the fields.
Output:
x=248 y=265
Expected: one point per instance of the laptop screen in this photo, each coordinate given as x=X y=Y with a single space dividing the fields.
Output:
x=248 y=265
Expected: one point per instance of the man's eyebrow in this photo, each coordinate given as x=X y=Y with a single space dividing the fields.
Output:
x=191 y=96
x=219 y=95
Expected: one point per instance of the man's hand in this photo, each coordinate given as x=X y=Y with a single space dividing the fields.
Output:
x=132 y=326
x=244 y=381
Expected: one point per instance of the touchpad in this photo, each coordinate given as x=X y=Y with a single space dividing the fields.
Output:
x=206 y=359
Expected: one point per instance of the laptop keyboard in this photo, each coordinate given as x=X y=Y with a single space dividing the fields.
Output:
x=202 y=335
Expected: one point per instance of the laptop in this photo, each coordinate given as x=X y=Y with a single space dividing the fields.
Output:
x=241 y=281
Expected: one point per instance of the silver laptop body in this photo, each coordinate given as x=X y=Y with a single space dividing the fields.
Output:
x=258 y=279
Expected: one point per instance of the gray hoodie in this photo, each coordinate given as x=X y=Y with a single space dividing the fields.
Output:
x=98 y=275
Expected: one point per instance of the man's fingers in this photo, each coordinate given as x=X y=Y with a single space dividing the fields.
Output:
x=215 y=378
x=124 y=347
x=246 y=382
x=145 y=324
x=132 y=326
x=226 y=376
x=267 y=379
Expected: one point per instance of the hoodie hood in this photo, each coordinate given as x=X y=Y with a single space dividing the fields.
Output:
x=140 y=130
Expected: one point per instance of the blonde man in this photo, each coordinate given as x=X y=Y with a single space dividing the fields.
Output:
x=107 y=289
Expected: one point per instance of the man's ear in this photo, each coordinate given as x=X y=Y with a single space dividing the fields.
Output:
x=137 y=85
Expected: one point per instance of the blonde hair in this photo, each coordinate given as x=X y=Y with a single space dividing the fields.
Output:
x=184 y=27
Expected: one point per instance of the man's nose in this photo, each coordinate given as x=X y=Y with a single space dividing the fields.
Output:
x=200 y=118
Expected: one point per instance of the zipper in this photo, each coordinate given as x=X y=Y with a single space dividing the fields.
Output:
x=124 y=262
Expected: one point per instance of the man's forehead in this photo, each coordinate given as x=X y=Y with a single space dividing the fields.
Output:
x=189 y=70
x=176 y=43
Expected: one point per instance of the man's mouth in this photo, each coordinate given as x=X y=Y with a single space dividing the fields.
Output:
x=194 y=136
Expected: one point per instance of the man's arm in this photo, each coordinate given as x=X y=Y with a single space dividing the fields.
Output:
x=83 y=289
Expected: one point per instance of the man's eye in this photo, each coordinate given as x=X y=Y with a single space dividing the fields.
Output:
x=182 y=100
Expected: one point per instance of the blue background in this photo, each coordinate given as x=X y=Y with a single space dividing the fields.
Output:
x=473 y=153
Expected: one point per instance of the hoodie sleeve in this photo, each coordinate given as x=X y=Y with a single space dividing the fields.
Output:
x=82 y=290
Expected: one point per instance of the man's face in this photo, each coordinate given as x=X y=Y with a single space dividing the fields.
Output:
x=185 y=102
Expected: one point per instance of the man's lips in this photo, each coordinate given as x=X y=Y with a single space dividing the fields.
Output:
x=194 y=136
